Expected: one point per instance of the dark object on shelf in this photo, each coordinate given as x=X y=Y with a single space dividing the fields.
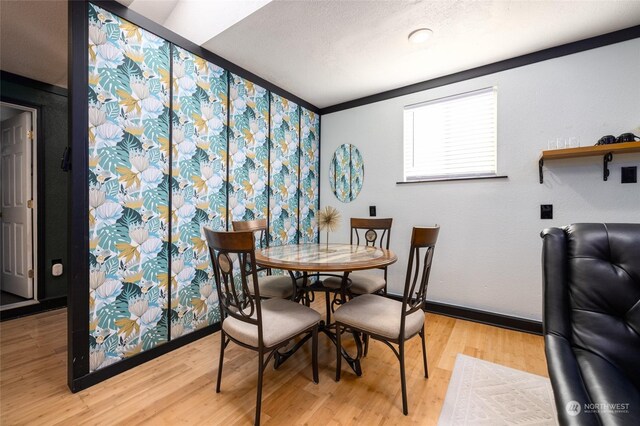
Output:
x=626 y=137
x=606 y=150
x=606 y=140
x=591 y=323
x=610 y=139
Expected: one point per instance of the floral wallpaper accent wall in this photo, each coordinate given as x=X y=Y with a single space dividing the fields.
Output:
x=248 y=150
x=177 y=144
x=128 y=188
x=284 y=167
x=309 y=175
x=198 y=184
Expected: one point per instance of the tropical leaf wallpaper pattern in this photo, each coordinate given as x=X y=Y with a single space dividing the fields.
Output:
x=128 y=188
x=356 y=172
x=284 y=165
x=340 y=173
x=152 y=104
x=198 y=185
x=346 y=173
x=309 y=175
x=248 y=150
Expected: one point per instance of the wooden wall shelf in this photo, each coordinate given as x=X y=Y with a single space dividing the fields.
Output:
x=606 y=151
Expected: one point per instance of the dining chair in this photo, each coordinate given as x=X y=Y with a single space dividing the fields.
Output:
x=262 y=325
x=280 y=286
x=375 y=233
x=391 y=321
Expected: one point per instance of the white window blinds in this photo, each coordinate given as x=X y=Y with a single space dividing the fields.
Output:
x=451 y=137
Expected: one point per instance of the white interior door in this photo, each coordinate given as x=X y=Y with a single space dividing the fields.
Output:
x=16 y=221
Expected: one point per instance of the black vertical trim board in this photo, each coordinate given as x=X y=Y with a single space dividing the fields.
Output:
x=162 y=32
x=39 y=187
x=78 y=286
x=269 y=172
x=170 y=185
x=319 y=157
x=519 y=61
x=299 y=194
x=227 y=184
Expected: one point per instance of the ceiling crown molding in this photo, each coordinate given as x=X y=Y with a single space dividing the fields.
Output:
x=519 y=61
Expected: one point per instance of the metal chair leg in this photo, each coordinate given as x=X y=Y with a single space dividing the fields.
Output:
x=327 y=297
x=338 y=352
x=259 y=397
x=403 y=380
x=366 y=343
x=314 y=354
x=222 y=346
x=424 y=353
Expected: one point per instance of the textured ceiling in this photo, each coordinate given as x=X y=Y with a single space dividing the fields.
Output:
x=328 y=51
x=33 y=39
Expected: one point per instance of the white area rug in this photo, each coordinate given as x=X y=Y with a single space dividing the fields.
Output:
x=482 y=393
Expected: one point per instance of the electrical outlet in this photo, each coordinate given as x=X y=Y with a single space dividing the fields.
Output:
x=546 y=211
x=629 y=174
x=372 y=211
x=56 y=267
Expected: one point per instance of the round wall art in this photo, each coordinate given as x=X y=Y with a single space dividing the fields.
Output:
x=346 y=173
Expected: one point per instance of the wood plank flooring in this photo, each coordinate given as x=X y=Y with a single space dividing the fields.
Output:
x=179 y=387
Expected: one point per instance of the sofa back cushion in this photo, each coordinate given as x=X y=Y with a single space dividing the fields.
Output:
x=604 y=289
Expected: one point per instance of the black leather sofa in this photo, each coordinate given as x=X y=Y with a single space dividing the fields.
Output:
x=591 y=277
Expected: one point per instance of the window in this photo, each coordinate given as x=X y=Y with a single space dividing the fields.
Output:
x=452 y=137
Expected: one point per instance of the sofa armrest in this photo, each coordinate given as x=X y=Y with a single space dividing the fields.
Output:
x=567 y=382
x=564 y=371
x=555 y=295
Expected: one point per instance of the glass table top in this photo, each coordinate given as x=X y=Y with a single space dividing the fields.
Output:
x=320 y=257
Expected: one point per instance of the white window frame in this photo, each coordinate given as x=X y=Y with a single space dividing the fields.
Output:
x=410 y=175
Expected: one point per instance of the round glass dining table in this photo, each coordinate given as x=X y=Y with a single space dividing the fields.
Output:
x=323 y=259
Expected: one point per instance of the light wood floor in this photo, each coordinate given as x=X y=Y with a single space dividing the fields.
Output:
x=179 y=387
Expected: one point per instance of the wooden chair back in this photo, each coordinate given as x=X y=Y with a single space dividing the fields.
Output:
x=256 y=226
x=423 y=243
x=375 y=232
x=232 y=255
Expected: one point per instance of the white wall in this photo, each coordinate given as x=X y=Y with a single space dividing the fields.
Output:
x=488 y=253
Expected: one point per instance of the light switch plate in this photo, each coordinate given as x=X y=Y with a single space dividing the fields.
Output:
x=629 y=174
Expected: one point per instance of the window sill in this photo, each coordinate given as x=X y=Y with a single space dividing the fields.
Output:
x=452 y=179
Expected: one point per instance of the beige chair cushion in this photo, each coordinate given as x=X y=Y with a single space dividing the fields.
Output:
x=281 y=319
x=361 y=282
x=280 y=286
x=378 y=315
